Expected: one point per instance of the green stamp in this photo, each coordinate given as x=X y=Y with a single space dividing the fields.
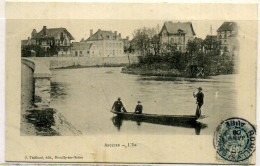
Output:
x=235 y=139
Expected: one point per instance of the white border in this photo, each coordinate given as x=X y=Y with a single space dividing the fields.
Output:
x=2 y=81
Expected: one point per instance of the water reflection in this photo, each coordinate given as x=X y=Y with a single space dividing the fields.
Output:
x=118 y=121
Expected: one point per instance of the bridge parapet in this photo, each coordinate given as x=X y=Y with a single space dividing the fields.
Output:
x=41 y=84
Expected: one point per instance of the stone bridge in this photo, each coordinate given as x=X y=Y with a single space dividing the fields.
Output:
x=35 y=85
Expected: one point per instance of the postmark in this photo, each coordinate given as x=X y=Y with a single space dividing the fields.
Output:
x=235 y=139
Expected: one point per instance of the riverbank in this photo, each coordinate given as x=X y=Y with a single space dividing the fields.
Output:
x=151 y=71
x=96 y=66
x=35 y=123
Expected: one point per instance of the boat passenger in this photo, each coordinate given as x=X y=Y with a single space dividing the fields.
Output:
x=139 y=108
x=118 y=105
x=200 y=101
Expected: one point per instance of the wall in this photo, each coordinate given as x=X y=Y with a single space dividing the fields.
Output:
x=58 y=62
x=27 y=83
x=35 y=85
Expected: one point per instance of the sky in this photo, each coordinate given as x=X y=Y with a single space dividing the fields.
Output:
x=80 y=28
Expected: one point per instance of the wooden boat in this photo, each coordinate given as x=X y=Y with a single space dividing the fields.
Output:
x=157 y=117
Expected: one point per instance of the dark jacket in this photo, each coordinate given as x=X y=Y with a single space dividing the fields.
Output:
x=117 y=106
x=139 y=109
x=200 y=98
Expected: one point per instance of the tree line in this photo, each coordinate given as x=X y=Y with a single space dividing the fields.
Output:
x=165 y=56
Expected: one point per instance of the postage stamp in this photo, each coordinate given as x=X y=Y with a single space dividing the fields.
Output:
x=235 y=139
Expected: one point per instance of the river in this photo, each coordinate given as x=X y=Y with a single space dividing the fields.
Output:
x=85 y=95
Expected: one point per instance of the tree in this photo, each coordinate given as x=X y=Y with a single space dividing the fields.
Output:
x=211 y=44
x=143 y=38
x=156 y=44
x=128 y=49
x=26 y=51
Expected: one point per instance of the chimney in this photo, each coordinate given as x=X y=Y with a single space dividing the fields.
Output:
x=127 y=37
x=99 y=29
x=91 y=32
x=28 y=38
x=115 y=33
x=119 y=35
x=44 y=30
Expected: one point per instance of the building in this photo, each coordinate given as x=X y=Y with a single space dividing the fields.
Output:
x=48 y=38
x=178 y=33
x=84 y=49
x=223 y=35
x=101 y=44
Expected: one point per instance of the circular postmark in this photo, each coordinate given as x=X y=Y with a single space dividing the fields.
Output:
x=235 y=139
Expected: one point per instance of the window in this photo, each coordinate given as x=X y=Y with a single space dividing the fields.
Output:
x=225 y=41
x=80 y=52
x=179 y=41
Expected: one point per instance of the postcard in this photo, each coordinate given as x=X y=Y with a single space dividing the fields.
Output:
x=131 y=82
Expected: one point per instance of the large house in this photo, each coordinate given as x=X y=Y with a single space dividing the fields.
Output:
x=100 y=44
x=84 y=49
x=224 y=34
x=47 y=38
x=178 y=33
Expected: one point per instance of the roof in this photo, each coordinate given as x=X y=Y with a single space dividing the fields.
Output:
x=81 y=46
x=53 y=32
x=103 y=35
x=228 y=26
x=25 y=42
x=173 y=28
x=34 y=31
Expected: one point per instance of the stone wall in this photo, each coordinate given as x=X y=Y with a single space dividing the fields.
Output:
x=60 y=62
x=27 y=83
x=35 y=85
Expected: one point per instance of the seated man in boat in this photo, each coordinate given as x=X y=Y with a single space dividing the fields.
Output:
x=139 y=108
x=200 y=99
x=118 y=105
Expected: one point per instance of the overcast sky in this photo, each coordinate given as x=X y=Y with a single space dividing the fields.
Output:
x=81 y=28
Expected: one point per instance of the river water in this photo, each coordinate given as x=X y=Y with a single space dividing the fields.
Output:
x=85 y=95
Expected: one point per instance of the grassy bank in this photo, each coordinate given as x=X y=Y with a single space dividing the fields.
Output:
x=80 y=66
x=179 y=65
x=46 y=122
x=152 y=70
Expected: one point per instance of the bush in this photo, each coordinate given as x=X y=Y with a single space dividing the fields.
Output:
x=26 y=51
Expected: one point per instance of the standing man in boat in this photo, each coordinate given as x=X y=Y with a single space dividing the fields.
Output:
x=139 y=108
x=118 y=105
x=200 y=101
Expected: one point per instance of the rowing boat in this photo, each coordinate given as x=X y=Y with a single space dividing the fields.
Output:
x=157 y=117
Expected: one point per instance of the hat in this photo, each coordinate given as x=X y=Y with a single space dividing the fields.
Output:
x=200 y=88
x=118 y=98
x=139 y=101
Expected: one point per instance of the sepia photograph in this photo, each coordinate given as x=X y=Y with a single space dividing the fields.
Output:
x=108 y=76
x=107 y=87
